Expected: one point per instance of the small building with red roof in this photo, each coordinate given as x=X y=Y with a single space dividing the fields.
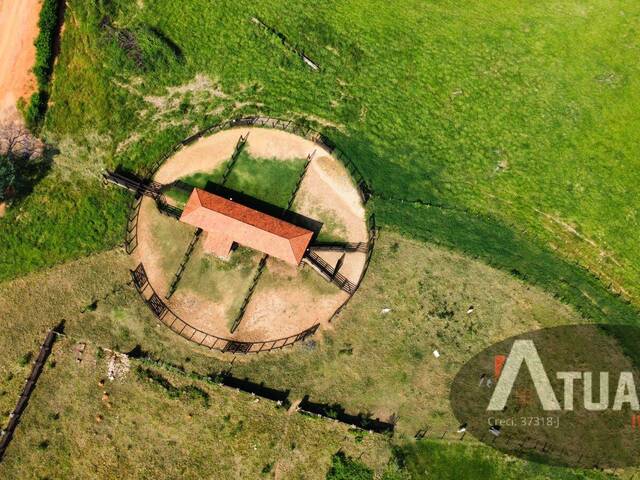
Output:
x=227 y=222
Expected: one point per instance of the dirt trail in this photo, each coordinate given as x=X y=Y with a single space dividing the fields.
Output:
x=18 y=30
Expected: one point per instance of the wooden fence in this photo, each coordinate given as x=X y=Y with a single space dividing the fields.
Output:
x=7 y=434
x=163 y=313
x=157 y=305
x=291 y=126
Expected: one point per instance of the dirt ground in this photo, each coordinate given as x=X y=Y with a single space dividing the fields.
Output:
x=18 y=30
x=287 y=299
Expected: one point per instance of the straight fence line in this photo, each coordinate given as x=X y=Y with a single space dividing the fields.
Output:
x=247 y=297
x=373 y=235
x=303 y=173
x=183 y=264
x=234 y=158
x=330 y=273
x=298 y=51
x=30 y=385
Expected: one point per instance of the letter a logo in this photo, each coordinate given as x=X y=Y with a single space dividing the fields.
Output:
x=523 y=351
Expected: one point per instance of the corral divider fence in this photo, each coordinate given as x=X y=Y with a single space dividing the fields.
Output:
x=291 y=126
x=242 y=141
x=249 y=294
x=303 y=173
x=373 y=235
x=329 y=273
x=160 y=309
x=165 y=315
x=183 y=264
x=30 y=384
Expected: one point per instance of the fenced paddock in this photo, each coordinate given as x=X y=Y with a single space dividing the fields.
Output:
x=165 y=315
x=291 y=126
x=169 y=318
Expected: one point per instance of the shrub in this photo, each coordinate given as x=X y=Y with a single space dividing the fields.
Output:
x=43 y=68
x=24 y=360
x=345 y=468
x=48 y=25
x=36 y=109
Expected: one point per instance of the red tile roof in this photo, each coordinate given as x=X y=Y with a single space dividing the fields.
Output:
x=246 y=226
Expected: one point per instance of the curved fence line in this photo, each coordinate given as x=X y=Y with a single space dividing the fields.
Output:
x=163 y=313
x=290 y=126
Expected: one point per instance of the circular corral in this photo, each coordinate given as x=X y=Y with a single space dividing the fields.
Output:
x=287 y=299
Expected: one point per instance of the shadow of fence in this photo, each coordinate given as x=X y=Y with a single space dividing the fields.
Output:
x=334 y=412
x=258 y=389
x=338 y=413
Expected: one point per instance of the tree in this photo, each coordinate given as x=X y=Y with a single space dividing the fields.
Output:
x=7 y=176
x=345 y=468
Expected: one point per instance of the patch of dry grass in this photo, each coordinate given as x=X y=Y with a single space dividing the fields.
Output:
x=375 y=362
x=137 y=430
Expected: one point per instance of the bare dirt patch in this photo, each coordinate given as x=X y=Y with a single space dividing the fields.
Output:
x=18 y=30
x=287 y=299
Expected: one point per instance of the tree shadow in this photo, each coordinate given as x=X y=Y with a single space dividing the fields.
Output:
x=30 y=171
x=171 y=45
x=57 y=40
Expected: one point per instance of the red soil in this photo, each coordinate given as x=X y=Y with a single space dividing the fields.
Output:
x=18 y=31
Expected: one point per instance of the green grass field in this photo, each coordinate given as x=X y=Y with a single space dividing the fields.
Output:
x=510 y=126
x=141 y=432
x=499 y=139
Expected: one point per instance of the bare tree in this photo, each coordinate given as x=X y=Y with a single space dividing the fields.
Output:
x=16 y=141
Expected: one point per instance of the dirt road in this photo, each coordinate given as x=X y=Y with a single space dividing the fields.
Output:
x=18 y=30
